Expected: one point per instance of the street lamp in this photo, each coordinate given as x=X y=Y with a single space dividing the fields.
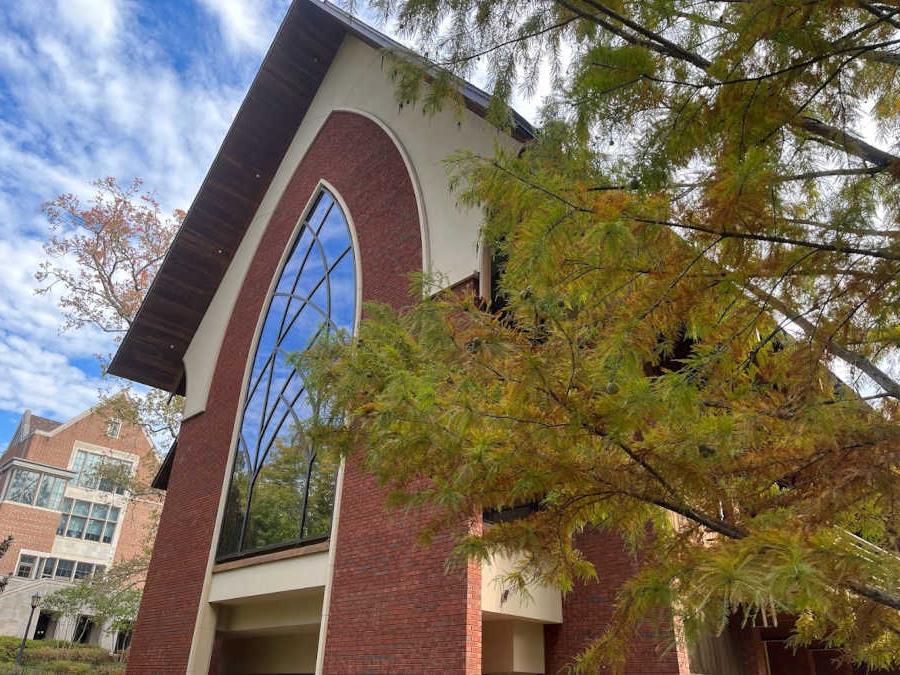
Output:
x=35 y=601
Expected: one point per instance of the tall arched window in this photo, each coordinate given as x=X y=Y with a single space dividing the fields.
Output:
x=281 y=493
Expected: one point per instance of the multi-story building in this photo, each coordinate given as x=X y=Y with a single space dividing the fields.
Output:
x=70 y=516
x=327 y=192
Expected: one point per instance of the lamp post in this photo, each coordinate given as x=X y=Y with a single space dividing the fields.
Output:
x=35 y=601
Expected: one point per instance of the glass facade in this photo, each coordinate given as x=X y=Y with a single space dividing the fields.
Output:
x=97 y=472
x=35 y=489
x=88 y=520
x=281 y=493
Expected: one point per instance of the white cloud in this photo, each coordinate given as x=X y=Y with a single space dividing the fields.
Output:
x=85 y=92
x=245 y=24
x=42 y=380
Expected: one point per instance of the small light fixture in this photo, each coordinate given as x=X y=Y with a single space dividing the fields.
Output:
x=35 y=600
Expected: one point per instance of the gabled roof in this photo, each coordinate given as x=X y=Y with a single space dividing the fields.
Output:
x=43 y=423
x=280 y=95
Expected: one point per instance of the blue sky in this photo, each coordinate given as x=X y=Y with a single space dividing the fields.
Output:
x=90 y=88
x=94 y=88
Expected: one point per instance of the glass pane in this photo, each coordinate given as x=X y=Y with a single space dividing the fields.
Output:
x=81 y=508
x=235 y=504
x=99 y=511
x=343 y=293
x=83 y=570
x=23 y=486
x=113 y=513
x=109 y=532
x=64 y=569
x=313 y=275
x=320 y=503
x=76 y=527
x=94 y=528
x=277 y=504
x=26 y=566
x=50 y=493
x=316 y=288
x=66 y=505
x=63 y=521
x=333 y=235
x=320 y=210
x=49 y=564
x=87 y=476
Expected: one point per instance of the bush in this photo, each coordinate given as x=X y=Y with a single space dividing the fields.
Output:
x=79 y=653
x=53 y=667
x=53 y=652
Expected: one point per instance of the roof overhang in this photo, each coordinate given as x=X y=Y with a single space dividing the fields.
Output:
x=19 y=463
x=161 y=479
x=279 y=97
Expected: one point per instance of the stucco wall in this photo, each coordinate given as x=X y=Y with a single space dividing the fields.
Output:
x=358 y=81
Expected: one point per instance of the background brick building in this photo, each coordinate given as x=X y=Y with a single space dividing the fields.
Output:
x=67 y=520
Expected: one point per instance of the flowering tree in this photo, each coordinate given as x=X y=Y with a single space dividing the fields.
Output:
x=103 y=256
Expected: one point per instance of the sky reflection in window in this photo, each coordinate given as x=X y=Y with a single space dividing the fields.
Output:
x=281 y=493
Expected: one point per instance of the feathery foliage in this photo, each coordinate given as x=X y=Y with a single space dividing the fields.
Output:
x=695 y=242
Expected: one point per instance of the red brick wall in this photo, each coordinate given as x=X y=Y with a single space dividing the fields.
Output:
x=138 y=527
x=393 y=608
x=588 y=609
x=57 y=447
x=359 y=159
x=31 y=528
x=34 y=528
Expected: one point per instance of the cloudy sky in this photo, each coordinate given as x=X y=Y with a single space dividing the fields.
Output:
x=91 y=88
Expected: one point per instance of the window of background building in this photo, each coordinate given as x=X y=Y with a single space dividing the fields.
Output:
x=84 y=626
x=98 y=472
x=113 y=428
x=281 y=492
x=40 y=567
x=123 y=641
x=26 y=566
x=64 y=569
x=83 y=570
x=47 y=569
x=88 y=520
x=35 y=489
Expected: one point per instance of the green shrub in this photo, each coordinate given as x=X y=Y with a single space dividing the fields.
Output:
x=47 y=651
x=63 y=666
x=79 y=653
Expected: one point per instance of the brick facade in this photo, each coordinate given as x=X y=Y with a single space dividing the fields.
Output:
x=588 y=609
x=393 y=607
x=35 y=528
x=358 y=158
x=31 y=528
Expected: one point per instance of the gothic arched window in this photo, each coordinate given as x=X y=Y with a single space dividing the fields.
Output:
x=281 y=493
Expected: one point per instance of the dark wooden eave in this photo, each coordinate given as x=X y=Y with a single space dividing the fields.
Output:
x=161 y=479
x=282 y=91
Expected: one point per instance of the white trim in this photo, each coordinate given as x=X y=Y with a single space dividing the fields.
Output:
x=30 y=465
x=329 y=579
x=196 y=651
x=122 y=455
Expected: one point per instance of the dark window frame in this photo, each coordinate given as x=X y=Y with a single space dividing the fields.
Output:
x=68 y=515
x=312 y=223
